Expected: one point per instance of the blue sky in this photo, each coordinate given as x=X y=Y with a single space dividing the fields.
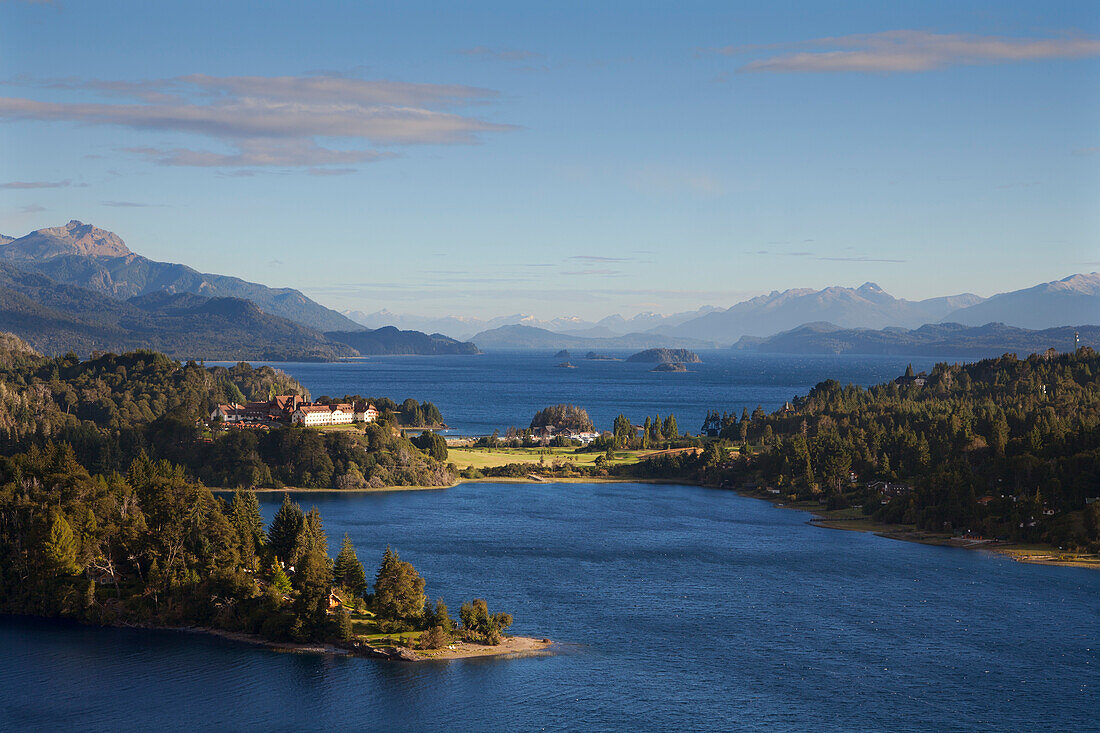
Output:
x=565 y=158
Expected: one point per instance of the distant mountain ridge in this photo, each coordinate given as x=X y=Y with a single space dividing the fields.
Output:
x=528 y=337
x=89 y=257
x=56 y=318
x=464 y=328
x=392 y=341
x=1074 y=299
x=936 y=339
x=867 y=306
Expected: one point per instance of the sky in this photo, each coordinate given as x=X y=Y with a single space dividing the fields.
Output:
x=566 y=158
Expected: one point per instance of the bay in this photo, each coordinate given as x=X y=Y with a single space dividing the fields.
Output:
x=674 y=607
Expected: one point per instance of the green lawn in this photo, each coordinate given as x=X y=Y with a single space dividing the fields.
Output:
x=488 y=457
x=365 y=628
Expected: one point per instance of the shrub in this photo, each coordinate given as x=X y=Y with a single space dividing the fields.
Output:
x=433 y=638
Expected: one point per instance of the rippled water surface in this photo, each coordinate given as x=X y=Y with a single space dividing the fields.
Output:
x=674 y=607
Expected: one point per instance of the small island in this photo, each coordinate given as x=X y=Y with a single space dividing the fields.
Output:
x=595 y=356
x=666 y=356
x=667 y=366
x=563 y=354
x=566 y=365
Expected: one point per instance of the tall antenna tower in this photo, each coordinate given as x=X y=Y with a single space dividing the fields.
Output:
x=1076 y=340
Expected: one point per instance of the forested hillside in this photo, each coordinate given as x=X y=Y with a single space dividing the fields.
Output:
x=57 y=318
x=1004 y=447
x=104 y=516
x=113 y=408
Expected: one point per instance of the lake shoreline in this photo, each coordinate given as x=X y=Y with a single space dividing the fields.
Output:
x=457 y=482
x=510 y=646
x=1034 y=554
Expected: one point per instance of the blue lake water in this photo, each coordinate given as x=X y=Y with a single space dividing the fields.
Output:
x=479 y=394
x=675 y=607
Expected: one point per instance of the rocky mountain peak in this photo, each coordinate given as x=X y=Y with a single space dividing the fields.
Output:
x=74 y=238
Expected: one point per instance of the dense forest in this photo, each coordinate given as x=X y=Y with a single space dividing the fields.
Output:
x=110 y=408
x=104 y=515
x=1003 y=448
x=151 y=547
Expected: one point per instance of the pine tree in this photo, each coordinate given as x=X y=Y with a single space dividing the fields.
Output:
x=343 y=623
x=59 y=547
x=314 y=532
x=279 y=580
x=313 y=581
x=670 y=429
x=285 y=531
x=347 y=571
x=398 y=589
x=442 y=618
x=244 y=513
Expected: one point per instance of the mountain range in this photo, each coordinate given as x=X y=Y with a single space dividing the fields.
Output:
x=934 y=339
x=529 y=337
x=867 y=306
x=465 y=327
x=93 y=292
x=55 y=318
x=79 y=288
x=1072 y=300
x=93 y=258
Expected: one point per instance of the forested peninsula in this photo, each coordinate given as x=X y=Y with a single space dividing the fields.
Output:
x=104 y=517
x=1001 y=450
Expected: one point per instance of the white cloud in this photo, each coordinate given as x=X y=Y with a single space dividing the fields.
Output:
x=910 y=51
x=271 y=121
x=36 y=184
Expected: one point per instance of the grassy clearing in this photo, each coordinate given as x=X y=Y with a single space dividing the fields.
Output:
x=364 y=627
x=489 y=457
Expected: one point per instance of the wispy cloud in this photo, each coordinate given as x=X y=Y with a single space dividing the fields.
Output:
x=500 y=54
x=331 y=171
x=824 y=258
x=600 y=271
x=909 y=51
x=270 y=121
x=130 y=205
x=857 y=259
x=598 y=258
x=38 y=184
x=32 y=209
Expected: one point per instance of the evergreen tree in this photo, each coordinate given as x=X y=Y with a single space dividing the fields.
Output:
x=59 y=547
x=244 y=513
x=279 y=580
x=313 y=581
x=347 y=571
x=398 y=589
x=313 y=533
x=285 y=531
x=670 y=429
x=343 y=623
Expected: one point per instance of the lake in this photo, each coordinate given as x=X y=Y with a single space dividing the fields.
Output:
x=675 y=607
x=479 y=394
